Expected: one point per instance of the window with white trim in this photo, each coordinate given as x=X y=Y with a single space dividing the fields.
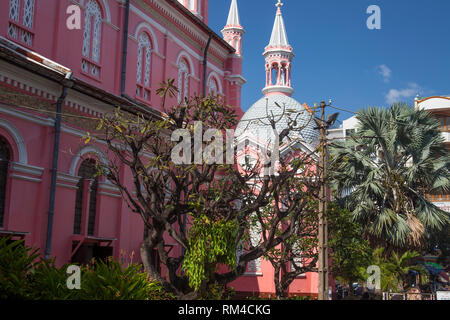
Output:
x=4 y=164
x=87 y=188
x=183 y=80
x=255 y=231
x=213 y=88
x=21 y=21
x=144 y=57
x=90 y=63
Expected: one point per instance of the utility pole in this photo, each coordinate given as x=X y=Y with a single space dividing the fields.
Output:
x=323 y=198
x=323 y=125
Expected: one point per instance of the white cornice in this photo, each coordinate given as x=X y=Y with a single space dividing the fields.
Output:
x=236 y=78
x=30 y=179
x=284 y=89
x=23 y=168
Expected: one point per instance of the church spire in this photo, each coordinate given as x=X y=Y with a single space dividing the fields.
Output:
x=278 y=55
x=233 y=15
x=279 y=36
x=233 y=31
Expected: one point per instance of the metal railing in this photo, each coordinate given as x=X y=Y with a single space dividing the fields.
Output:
x=408 y=296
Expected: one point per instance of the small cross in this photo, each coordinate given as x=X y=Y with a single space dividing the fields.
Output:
x=279 y=4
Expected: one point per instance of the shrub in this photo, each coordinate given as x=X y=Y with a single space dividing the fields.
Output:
x=47 y=282
x=111 y=281
x=24 y=275
x=16 y=262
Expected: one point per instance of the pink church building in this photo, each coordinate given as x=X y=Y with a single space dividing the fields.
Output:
x=57 y=75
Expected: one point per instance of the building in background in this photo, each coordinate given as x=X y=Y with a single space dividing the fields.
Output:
x=122 y=52
x=254 y=130
x=439 y=106
x=347 y=127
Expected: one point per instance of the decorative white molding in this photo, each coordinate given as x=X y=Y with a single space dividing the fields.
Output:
x=184 y=54
x=144 y=25
x=64 y=177
x=105 y=6
x=18 y=176
x=214 y=75
x=112 y=195
x=23 y=168
x=284 y=89
x=20 y=143
x=48 y=122
x=236 y=79
x=68 y=186
x=108 y=187
x=85 y=150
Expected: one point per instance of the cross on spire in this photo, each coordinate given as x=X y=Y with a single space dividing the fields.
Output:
x=279 y=4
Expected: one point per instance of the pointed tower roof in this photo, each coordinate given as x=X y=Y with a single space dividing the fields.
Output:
x=279 y=35
x=233 y=15
x=278 y=55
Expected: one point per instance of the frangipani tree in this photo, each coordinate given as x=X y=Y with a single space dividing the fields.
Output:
x=203 y=206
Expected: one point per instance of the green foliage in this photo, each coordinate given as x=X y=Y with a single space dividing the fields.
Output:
x=112 y=281
x=395 y=268
x=215 y=291
x=24 y=275
x=397 y=157
x=210 y=243
x=47 y=282
x=16 y=261
x=349 y=250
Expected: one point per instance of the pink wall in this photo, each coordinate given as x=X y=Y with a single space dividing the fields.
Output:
x=28 y=184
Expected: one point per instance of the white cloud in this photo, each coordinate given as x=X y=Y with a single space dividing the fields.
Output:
x=397 y=95
x=385 y=72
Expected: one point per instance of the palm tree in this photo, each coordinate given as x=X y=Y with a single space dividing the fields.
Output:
x=395 y=269
x=383 y=172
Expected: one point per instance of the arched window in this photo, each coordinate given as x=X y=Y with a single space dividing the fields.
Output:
x=212 y=86
x=143 y=66
x=87 y=187
x=255 y=239
x=236 y=45
x=274 y=75
x=92 y=39
x=4 y=163
x=21 y=21
x=183 y=80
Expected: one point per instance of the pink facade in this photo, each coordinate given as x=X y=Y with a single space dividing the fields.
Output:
x=165 y=40
x=41 y=53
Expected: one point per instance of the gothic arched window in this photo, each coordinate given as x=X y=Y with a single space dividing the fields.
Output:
x=92 y=39
x=183 y=80
x=87 y=187
x=4 y=163
x=143 y=66
x=213 y=88
x=21 y=21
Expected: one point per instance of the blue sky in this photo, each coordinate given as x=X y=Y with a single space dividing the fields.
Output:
x=337 y=57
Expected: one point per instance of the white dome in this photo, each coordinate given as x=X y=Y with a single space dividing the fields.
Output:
x=255 y=123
